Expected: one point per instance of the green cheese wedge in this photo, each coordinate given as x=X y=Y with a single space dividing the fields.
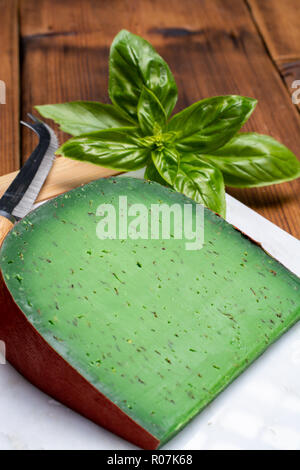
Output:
x=158 y=329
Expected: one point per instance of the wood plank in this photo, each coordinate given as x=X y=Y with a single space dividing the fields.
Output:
x=216 y=50
x=278 y=23
x=71 y=17
x=9 y=76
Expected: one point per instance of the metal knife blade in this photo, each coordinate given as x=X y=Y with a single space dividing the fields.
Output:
x=19 y=198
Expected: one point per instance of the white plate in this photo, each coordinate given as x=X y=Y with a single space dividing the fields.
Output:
x=260 y=410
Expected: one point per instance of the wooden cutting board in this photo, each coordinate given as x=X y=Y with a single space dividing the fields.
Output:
x=65 y=175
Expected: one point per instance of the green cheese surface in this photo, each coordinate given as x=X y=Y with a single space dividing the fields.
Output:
x=158 y=329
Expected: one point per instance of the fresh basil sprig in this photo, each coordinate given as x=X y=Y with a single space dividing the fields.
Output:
x=196 y=151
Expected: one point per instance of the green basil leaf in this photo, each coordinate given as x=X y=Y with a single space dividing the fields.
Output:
x=133 y=62
x=166 y=161
x=152 y=174
x=119 y=149
x=202 y=182
x=151 y=114
x=251 y=159
x=81 y=117
x=209 y=124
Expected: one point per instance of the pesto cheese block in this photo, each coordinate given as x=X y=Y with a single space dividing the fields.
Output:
x=137 y=334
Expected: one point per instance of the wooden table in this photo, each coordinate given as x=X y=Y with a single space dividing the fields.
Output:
x=54 y=51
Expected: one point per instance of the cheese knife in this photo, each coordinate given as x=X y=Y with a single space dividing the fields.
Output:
x=20 y=197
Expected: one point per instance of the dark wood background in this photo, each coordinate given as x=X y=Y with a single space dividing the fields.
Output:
x=55 y=51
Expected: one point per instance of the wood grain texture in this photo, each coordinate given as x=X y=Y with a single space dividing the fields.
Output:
x=278 y=22
x=212 y=46
x=9 y=75
x=5 y=227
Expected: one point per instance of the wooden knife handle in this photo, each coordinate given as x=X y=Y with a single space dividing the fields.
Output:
x=5 y=227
